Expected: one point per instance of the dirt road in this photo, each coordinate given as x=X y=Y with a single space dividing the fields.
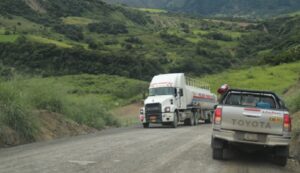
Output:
x=132 y=150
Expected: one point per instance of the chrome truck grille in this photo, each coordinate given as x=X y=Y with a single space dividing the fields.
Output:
x=153 y=108
x=153 y=113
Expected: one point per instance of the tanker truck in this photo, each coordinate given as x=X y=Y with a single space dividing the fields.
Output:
x=174 y=98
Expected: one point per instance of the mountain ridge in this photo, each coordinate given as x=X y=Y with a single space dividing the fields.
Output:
x=244 y=8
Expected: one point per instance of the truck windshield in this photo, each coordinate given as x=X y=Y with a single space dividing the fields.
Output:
x=162 y=91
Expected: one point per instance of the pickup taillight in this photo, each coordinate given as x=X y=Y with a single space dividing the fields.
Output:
x=218 y=116
x=287 y=123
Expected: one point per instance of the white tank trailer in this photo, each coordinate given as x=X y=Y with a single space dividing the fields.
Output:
x=173 y=98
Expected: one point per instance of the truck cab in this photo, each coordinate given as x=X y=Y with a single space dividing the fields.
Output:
x=165 y=98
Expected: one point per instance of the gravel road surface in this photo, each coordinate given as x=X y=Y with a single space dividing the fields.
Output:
x=132 y=150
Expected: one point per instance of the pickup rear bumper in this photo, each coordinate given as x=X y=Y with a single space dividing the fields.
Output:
x=266 y=140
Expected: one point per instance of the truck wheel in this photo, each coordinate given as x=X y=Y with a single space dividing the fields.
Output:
x=218 y=153
x=186 y=122
x=146 y=125
x=175 y=122
x=209 y=120
x=196 y=121
x=192 y=121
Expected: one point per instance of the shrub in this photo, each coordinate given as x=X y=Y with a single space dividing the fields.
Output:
x=46 y=96
x=294 y=103
x=218 y=36
x=90 y=112
x=73 y=32
x=173 y=39
x=108 y=28
x=134 y=40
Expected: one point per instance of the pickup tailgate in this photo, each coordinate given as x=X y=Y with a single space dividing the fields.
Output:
x=254 y=119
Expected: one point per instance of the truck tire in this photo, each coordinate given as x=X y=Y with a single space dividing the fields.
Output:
x=175 y=122
x=196 y=121
x=209 y=120
x=192 y=121
x=186 y=122
x=146 y=125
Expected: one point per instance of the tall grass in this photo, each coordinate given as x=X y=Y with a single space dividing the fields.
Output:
x=46 y=96
x=15 y=113
x=89 y=111
x=293 y=103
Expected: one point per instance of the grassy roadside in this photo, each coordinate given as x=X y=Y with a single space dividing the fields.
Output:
x=82 y=99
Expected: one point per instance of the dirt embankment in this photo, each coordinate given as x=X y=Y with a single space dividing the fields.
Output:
x=131 y=110
x=295 y=144
x=51 y=126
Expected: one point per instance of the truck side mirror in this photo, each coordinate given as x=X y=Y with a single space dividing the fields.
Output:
x=215 y=107
x=178 y=92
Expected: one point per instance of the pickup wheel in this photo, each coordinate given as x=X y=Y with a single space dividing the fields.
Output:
x=218 y=153
x=218 y=148
x=280 y=160
x=146 y=125
x=281 y=155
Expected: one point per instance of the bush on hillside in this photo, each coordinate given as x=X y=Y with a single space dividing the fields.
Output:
x=287 y=56
x=173 y=39
x=46 y=96
x=294 y=103
x=36 y=58
x=108 y=28
x=90 y=112
x=134 y=40
x=73 y=32
x=217 y=36
x=136 y=16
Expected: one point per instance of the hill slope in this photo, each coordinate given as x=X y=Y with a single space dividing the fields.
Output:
x=88 y=36
x=219 y=7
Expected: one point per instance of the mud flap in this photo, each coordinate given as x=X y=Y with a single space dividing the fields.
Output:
x=282 y=151
x=217 y=143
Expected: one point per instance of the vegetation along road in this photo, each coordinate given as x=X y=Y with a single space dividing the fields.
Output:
x=134 y=149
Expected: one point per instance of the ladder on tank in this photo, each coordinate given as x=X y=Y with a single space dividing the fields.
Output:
x=197 y=83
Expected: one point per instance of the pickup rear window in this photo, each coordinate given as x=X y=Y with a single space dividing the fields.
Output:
x=251 y=100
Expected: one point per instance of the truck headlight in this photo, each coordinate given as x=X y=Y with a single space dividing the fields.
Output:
x=167 y=109
x=142 y=111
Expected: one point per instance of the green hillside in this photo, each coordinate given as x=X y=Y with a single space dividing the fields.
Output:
x=270 y=78
x=93 y=37
x=237 y=8
x=278 y=41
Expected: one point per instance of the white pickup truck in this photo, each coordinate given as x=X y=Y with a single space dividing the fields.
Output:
x=252 y=120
